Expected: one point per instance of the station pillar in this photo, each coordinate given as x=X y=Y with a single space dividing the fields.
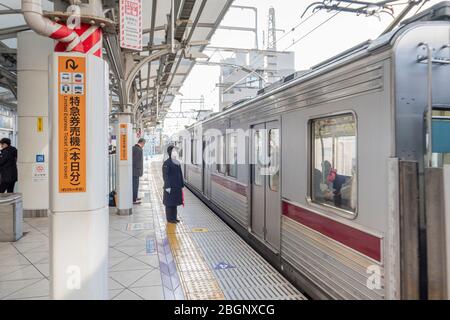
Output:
x=33 y=51
x=124 y=162
x=79 y=210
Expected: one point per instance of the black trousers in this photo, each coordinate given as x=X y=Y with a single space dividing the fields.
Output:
x=171 y=213
x=135 y=188
x=7 y=186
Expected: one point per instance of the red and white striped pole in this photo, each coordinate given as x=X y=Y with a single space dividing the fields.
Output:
x=90 y=40
x=65 y=36
x=85 y=39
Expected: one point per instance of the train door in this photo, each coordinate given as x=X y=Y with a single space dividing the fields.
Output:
x=203 y=163
x=265 y=183
x=258 y=183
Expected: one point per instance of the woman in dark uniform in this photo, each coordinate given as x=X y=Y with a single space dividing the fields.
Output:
x=173 y=184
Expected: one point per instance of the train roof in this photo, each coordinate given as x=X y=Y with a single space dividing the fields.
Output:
x=438 y=12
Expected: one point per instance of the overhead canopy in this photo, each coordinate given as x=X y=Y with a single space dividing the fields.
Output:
x=151 y=90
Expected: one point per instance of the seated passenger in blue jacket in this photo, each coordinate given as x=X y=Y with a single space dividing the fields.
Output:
x=338 y=181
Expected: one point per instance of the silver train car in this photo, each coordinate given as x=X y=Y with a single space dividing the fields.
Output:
x=344 y=207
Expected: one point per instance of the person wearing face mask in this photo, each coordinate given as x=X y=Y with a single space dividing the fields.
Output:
x=173 y=184
x=138 y=168
x=8 y=166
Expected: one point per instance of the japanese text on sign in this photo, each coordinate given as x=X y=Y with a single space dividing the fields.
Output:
x=123 y=142
x=131 y=24
x=72 y=124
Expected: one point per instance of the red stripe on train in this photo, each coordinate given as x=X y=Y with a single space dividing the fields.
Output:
x=236 y=187
x=356 y=239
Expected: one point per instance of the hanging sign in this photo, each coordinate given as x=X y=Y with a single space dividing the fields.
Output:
x=131 y=24
x=123 y=142
x=72 y=124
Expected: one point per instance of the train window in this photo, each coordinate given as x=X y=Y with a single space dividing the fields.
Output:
x=333 y=170
x=258 y=154
x=180 y=148
x=220 y=153
x=274 y=154
x=232 y=155
x=193 y=151
x=212 y=151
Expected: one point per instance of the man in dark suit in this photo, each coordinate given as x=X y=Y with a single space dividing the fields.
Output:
x=8 y=166
x=138 y=168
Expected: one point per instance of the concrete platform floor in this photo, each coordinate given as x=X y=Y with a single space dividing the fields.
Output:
x=199 y=258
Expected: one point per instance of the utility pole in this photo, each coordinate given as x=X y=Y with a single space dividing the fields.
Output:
x=271 y=31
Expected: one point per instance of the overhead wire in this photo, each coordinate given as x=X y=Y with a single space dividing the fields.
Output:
x=261 y=55
x=295 y=42
x=303 y=21
x=312 y=30
x=8 y=7
x=421 y=6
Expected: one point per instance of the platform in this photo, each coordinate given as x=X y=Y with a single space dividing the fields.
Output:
x=199 y=258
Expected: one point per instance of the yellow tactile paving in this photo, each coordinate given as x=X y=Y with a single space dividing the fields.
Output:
x=197 y=280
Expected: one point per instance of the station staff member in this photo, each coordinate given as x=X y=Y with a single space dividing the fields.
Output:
x=138 y=168
x=8 y=166
x=173 y=184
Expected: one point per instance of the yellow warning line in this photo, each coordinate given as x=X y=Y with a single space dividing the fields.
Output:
x=197 y=279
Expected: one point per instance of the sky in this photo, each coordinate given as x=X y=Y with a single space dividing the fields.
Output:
x=338 y=34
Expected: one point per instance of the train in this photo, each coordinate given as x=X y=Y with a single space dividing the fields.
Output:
x=338 y=175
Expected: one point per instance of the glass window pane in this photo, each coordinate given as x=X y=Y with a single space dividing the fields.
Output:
x=180 y=152
x=192 y=150
x=218 y=152
x=257 y=150
x=212 y=151
x=334 y=172
x=232 y=155
x=195 y=150
x=274 y=154
x=220 y=155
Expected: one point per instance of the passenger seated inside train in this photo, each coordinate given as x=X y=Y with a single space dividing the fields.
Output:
x=337 y=181
x=333 y=188
x=334 y=159
x=322 y=188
